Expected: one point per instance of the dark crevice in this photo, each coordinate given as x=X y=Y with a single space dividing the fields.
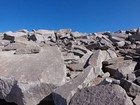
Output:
x=47 y=101
x=3 y=102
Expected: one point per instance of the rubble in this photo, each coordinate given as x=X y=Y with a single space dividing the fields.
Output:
x=60 y=65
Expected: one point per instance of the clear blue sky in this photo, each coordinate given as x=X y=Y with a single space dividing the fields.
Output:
x=79 y=15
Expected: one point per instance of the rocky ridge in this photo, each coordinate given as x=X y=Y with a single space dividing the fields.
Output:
x=49 y=67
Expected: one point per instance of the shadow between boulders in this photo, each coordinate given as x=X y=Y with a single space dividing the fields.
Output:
x=47 y=101
x=3 y=102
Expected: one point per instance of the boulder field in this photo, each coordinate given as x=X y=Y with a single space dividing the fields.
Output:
x=62 y=67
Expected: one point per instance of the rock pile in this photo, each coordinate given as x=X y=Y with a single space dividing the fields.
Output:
x=70 y=68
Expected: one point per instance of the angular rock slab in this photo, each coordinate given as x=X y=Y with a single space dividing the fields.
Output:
x=121 y=69
x=101 y=95
x=63 y=94
x=27 y=73
x=98 y=56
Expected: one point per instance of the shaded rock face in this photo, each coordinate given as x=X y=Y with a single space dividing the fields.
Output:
x=101 y=95
x=62 y=67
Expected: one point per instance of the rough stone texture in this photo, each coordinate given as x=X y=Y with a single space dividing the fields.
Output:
x=29 y=49
x=4 y=42
x=12 y=36
x=98 y=57
x=26 y=77
x=9 y=36
x=76 y=67
x=131 y=88
x=121 y=69
x=131 y=77
x=138 y=80
x=113 y=61
x=137 y=100
x=43 y=36
x=101 y=95
x=32 y=64
x=14 y=46
x=136 y=36
x=63 y=94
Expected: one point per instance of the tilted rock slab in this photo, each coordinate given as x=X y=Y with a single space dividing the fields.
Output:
x=121 y=69
x=63 y=94
x=101 y=95
x=98 y=57
x=27 y=79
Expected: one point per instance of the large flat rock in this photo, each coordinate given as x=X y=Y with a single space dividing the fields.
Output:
x=27 y=71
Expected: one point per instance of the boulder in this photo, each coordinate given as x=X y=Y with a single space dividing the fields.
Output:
x=138 y=31
x=65 y=31
x=76 y=34
x=63 y=94
x=4 y=42
x=131 y=77
x=29 y=49
x=43 y=36
x=14 y=46
x=9 y=36
x=120 y=35
x=105 y=43
x=83 y=52
x=93 y=46
x=71 y=56
x=113 y=61
x=120 y=44
x=101 y=95
x=136 y=36
x=98 y=56
x=116 y=39
x=27 y=79
x=45 y=32
x=120 y=69
x=37 y=38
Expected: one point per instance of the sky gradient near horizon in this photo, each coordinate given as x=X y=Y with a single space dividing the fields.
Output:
x=79 y=15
